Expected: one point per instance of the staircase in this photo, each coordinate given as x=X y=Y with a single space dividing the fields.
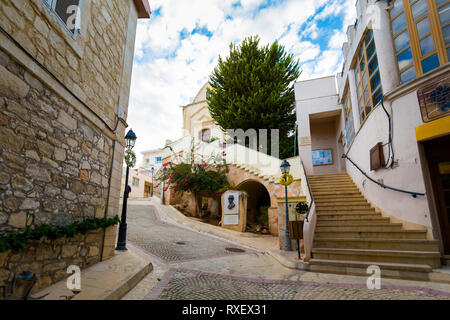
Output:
x=351 y=234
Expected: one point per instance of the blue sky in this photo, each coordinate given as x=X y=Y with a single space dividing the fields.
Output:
x=177 y=49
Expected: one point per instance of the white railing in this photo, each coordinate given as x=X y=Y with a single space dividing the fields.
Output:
x=309 y=226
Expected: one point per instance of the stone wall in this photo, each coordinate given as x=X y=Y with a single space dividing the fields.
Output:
x=91 y=65
x=50 y=260
x=54 y=165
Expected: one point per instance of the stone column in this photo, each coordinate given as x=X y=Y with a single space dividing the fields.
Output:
x=385 y=50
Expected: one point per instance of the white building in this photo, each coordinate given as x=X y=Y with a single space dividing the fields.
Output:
x=388 y=113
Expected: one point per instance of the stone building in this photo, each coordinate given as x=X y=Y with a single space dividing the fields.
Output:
x=65 y=73
x=374 y=139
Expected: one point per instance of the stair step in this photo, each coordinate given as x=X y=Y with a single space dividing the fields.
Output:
x=327 y=176
x=387 y=234
x=339 y=197
x=323 y=222
x=340 y=207
x=365 y=264
x=344 y=211
x=361 y=228
x=340 y=201
x=338 y=193
x=345 y=216
x=393 y=256
x=374 y=244
x=331 y=184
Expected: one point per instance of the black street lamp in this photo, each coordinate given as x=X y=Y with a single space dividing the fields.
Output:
x=130 y=140
x=285 y=168
x=153 y=171
x=164 y=187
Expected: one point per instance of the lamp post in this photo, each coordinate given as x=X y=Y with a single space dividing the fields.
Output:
x=285 y=168
x=130 y=140
x=164 y=187
x=153 y=171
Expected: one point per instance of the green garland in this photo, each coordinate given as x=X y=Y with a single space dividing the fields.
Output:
x=18 y=240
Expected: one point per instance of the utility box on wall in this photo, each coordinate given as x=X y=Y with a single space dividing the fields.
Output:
x=234 y=210
x=377 y=157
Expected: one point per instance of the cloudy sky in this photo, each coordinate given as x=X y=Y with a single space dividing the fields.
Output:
x=177 y=49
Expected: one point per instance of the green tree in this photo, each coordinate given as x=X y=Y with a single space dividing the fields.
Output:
x=253 y=89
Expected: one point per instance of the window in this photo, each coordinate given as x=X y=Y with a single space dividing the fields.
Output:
x=421 y=33
x=68 y=12
x=158 y=159
x=205 y=135
x=135 y=182
x=349 y=123
x=367 y=75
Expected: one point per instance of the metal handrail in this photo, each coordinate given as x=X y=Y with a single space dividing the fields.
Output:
x=310 y=193
x=414 y=194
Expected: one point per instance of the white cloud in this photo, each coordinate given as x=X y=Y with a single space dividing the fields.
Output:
x=170 y=68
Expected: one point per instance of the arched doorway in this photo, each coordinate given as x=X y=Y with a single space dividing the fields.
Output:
x=258 y=204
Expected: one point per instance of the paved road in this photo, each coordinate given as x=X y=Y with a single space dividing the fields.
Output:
x=193 y=266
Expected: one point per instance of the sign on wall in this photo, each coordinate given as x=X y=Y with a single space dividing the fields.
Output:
x=231 y=209
x=322 y=157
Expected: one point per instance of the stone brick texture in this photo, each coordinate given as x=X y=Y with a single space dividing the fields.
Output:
x=92 y=64
x=54 y=166
x=50 y=260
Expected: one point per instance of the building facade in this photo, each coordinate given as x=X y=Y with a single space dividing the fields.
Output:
x=65 y=73
x=140 y=183
x=197 y=121
x=384 y=119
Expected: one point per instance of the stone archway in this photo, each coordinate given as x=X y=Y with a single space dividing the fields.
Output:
x=258 y=204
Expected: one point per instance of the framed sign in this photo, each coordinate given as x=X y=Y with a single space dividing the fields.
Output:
x=322 y=157
x=231 y=203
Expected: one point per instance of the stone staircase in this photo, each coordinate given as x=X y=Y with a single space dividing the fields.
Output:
x=351 y=234
x=255 y=171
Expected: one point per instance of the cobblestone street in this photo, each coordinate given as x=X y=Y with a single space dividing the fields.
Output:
x=189 y=265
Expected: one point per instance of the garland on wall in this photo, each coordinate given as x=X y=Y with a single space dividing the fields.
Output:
x=18 y=240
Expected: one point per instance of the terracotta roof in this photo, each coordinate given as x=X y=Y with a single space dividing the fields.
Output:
x=143 y=9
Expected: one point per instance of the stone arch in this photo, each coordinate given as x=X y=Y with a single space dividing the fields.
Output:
x=258 y=202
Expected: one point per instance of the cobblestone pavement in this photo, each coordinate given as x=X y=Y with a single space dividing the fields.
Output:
x=202 y=269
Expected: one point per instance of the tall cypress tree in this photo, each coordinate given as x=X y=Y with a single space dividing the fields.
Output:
x=253 y=89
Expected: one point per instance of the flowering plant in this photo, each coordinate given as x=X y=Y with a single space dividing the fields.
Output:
x=194 y=173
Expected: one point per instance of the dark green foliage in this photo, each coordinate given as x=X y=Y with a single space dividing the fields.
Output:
x=16 y=241
x=253 y=88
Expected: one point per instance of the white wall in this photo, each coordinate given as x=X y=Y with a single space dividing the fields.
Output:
x=407 y=176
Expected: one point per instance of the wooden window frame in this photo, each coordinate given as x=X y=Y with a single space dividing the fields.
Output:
x=362 y=55
x=436 y=33
x=348 y=111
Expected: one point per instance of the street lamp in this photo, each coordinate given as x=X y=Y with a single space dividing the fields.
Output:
x=130 y=140
x=153 y=171
x=285 y=168
x=164 y=187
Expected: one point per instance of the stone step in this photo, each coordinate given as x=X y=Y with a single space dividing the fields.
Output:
x=345 y=216
x=332 y=183
x=361 y=228
x=338 y=193
x=314 y=176
x=392 y=256
x=344 y=211
x=340 y=206
x=340 y=202
x=323 y=222
x=378 y=244
x=342 y=267
x=387 y=234
x=333 y=179
x=331 y=189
